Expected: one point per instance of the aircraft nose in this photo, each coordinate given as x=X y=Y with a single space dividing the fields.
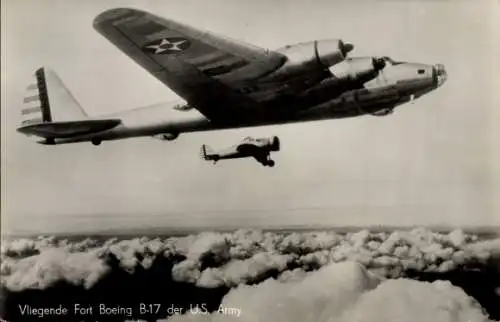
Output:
x=439 y=74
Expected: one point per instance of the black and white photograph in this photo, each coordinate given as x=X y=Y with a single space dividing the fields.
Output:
x=250 y=160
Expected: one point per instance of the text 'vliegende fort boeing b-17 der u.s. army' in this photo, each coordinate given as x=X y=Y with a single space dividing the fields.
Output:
x=225 y=84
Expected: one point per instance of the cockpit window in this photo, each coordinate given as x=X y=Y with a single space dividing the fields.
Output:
x=388 y=60
x=421 y=71
x=391 y=61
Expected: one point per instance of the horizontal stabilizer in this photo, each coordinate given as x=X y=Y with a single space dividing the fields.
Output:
x=59 y=130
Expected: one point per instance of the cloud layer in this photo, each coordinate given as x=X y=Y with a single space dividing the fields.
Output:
x=229 y=259
x=237 y=260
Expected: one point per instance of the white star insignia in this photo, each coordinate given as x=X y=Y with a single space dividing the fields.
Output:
x=166 y=45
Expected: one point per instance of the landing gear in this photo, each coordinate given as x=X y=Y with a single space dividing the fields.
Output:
x=50 y=141
x=268 y=162
x=96 y=142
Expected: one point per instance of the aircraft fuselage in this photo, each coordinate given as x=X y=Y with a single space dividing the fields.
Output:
x=396 y=84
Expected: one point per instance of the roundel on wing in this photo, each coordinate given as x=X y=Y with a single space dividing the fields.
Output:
x=169 y=45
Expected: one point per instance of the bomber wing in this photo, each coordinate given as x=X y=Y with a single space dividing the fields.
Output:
x=205 y=69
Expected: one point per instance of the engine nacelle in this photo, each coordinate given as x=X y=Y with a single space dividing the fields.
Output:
x=357 y=70
x=166 y=136
x=307 y=56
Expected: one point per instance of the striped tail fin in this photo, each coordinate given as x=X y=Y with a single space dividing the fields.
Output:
x=203 y=152
x=208 y=154
x=48 y=100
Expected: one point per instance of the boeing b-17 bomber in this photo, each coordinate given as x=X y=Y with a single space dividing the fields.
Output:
x=225 y=83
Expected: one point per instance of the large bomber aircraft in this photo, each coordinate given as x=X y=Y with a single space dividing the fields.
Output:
x=225 y=83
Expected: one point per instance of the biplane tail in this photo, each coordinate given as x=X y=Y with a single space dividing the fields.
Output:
x=208 y=154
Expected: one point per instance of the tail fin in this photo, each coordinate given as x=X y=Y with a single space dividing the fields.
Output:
x=48 y=100
x=207 y=153
x=51 y=112
x=203 y=152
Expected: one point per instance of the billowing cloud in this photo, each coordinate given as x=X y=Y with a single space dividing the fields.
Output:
x=249 y=270
x=344 y=292
x=412 y=301
x=51 y=266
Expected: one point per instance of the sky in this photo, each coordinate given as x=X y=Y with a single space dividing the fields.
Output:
x=434 y=162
